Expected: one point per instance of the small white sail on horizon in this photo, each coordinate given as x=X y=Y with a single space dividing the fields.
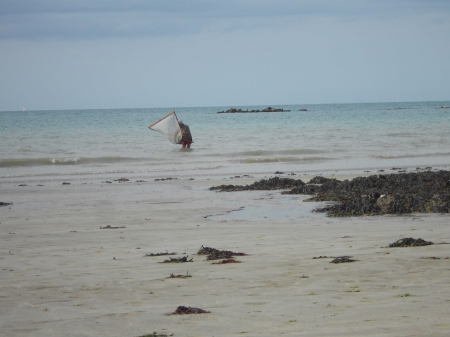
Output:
x=168 y=126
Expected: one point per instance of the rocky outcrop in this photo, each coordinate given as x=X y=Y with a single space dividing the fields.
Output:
x=268 y=109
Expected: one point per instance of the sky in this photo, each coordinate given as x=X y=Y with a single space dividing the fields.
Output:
x=107 y=54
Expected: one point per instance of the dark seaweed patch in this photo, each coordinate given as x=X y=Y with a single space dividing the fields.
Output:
x=343 y=259
x=227 y=261
x=215 y=254
x=275 y=183
x=404 y=193
x=397 y=193
x=410 y=242
x=182 y=310
x=179 y=276
x=178 y=260
x=161 y=254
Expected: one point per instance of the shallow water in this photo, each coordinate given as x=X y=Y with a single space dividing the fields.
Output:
x=108 y=144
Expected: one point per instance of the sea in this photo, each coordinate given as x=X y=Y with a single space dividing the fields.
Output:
x=109 y=144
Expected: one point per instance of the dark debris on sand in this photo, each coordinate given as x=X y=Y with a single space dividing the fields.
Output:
x=397 y=193
x=179 y=276
x=178 y=260
x=182 y=310
x=227 y=261
x=161 y=254
x=215 y=254
x=410 y=242
x=343 y=259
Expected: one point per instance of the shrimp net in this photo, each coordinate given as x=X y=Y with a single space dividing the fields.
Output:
x=168 y=126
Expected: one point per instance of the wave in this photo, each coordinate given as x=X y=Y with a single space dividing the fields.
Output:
x=282 y=152
x=403 y=156
x=284 y=160
x=402 y=134
x=55 y=175
x=26 y=162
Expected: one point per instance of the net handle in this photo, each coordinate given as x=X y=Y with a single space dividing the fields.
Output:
x=159 y=120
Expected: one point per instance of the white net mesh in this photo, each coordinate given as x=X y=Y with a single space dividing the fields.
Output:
x=168 y=126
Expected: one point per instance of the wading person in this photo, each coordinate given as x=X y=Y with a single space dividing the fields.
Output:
x=186 y=139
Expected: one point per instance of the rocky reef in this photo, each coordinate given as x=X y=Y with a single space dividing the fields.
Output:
x=399 y=193
x=268 y=109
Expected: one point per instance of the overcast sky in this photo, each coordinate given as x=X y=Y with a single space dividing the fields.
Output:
x=87 y=54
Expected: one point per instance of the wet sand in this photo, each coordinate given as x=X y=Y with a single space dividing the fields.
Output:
x=62 y=275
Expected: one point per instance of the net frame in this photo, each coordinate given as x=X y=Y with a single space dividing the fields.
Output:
x=169 y=127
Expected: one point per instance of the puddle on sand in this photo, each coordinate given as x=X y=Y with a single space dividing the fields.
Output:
x=272 y=208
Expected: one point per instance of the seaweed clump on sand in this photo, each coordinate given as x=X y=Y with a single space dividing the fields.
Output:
x=275 y=183
x=215 y=254
x=182 y=310
x=402 y=193
x=179 y=275
x=343 y=259
x=410 y=242
x=178 y=260
x=227 y=261
x=161 y=254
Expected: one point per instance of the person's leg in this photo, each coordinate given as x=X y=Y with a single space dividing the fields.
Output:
x=188 y=146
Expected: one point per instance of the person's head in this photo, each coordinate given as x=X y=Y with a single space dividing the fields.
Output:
x=180 y=123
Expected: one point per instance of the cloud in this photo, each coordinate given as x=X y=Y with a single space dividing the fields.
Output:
x=110 y=54
x=81 y=19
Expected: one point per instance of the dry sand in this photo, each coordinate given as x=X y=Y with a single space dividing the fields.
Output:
x=61 y=275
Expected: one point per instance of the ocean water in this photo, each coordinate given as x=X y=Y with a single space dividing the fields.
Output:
x=90 y=145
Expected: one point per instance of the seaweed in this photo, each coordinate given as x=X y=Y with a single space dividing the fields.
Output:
x=320 y=180
x=410 y=242
x=110 y=227
x=161 y=254
x=343 y=259
x=179 y=276
x=275 y=183
x=178 y=260
x=215 y=254
x=397 y=193
x=182 y=310
x=226 y=261
x=164 y=179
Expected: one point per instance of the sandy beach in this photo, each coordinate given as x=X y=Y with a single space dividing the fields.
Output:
x=63 y=275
